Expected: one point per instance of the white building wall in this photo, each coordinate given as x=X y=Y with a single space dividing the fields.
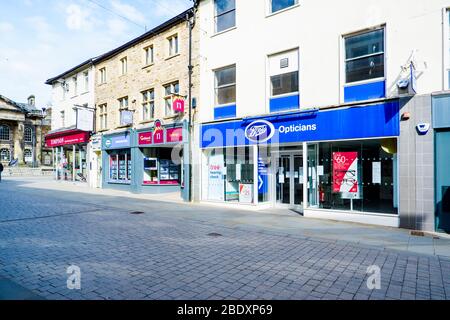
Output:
x=316 y=28
x=66 y=101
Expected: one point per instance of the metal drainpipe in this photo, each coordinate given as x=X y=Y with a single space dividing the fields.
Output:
x=190 y=71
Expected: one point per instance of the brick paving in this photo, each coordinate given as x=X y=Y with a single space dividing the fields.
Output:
x=159 y=255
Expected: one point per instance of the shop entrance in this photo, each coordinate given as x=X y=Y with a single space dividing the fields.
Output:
x=289 y=180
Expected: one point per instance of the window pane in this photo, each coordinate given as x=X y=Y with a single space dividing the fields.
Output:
x=365 y=68
x=176 y=88
x=226 y=21
x=364 y=44
x=278 y=5
x=226 y=76
x=284 y=83
x=226 y=95
x=224 y=6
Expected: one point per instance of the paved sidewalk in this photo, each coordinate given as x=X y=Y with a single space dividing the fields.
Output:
x=282 y=220
x=10 y=290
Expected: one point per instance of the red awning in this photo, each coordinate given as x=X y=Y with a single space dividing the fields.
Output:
x=68 y=137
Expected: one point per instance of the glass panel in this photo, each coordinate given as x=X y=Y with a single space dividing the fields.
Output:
x=226 y=95
x=365 y=68
x=284 y=83
x=283 y=180
x=278 y=5
x=298 y=180
x=224 y=6
x=313 y=190
x=226 y=76
x=226 y=21
x=364 y=44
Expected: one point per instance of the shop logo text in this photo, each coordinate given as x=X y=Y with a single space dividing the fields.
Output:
x=259 y=131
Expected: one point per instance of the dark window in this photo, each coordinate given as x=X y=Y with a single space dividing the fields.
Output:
x=364 y=56
x=284 y=83
x=278 y=5
x=5 y=133
x=226 y=85
x=225 y=14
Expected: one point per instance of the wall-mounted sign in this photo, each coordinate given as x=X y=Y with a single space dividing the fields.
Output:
x=85 y=119
x=76 y=138
x=380 y=120
x=345 y=173
x=126 y=117
x=174 y=135
x=178 y=105
x=158 y=132
x=145 y=138
x=118 y=142
x=423 y=128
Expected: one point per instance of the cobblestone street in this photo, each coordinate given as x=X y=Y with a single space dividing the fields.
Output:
x=168 y=252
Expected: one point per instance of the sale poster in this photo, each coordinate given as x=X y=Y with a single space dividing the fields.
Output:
x=345 y=172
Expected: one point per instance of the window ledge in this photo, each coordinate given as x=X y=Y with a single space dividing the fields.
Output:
x=223 y=31
x=124 y=126
x=172 y=56
x=148 y=65
x=146 y=121
x=102 y=130
x=356 y=83
x=283 y=10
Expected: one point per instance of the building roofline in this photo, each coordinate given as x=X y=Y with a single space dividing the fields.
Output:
x=69 y=72
x=162 y=27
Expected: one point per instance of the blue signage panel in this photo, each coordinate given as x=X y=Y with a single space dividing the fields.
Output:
x=380 y=120
x=117 y=142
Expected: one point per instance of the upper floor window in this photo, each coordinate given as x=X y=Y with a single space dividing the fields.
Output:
x=123 y=103
x=173 y=45
x=364 y=56
x=63 y=118
x=86 y=81
x=148 y=55
x=170 y=90
x=5 y=155
x=75 y=85
x=103 y=116
x=225 y=88
x=103 y=75
x=5 y=133
x=225 y=14
x=28 y=134
x=148 y=104
x=284 y=74
x=277 y=5
x=124 y=65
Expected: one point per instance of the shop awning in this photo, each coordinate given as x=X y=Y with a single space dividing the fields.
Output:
x=66 y=137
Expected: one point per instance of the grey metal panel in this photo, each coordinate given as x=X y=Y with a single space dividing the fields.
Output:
x=441 y=112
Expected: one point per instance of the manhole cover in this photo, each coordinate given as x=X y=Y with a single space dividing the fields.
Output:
x=136 y=212
x=214 y=234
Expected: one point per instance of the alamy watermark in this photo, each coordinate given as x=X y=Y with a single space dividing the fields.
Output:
x=74 y=278
x=374 y=280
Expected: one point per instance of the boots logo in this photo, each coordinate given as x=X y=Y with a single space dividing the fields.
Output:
x=259 y=131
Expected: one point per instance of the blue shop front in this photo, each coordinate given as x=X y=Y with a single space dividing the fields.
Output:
x=146 y=160
x=338 y=163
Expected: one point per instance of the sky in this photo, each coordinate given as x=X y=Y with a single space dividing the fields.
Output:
x=40 y=39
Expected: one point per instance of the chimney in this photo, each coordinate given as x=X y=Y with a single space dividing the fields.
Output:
x=31 y=100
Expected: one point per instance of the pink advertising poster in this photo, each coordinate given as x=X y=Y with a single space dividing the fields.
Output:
x=345 y=172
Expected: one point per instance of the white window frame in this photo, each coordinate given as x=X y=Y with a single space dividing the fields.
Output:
x=123 y=103
x=75 y=85
x=148 y=104
x=9 y=132
x=343 y=60
x=169 y=98
x=216 y=87
x=30 y=130
x=62 y=115
x=25 y=153
x=172 y=41
x=8 y=152
x=269 y=75
x=149 y=55
x=446 y=48
x=271 y=13
x=103 y=116
x=215 y=18
x=103 y=75
x=86 y=81
x=123 y=66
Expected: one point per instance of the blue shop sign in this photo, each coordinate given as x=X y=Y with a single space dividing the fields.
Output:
x=380 y=120
x=117 y=142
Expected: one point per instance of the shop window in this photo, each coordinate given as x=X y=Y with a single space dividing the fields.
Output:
x=225 y=86
x=354 y=176
x=230 y=175
x=5 y=133
x=120 y=166
x=225 y=14
x=364 y=56
x=28 y=134
x=159 y=168
x=5 y=155
x=278 y=5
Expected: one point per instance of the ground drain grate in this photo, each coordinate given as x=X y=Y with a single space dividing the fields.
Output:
x=136 y=212
x=214 y=234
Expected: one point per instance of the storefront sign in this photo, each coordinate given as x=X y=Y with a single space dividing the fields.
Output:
x=85 y=119
x=245 y=193
x=381 y=120
x=216 y=178
x=126 y=117
x=117 y=142
x=345 y=172
x=76 y=138
x=174 y=135
x=178 y=105
x=145 y=138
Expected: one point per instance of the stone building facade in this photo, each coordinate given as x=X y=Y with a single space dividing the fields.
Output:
x=21 y=136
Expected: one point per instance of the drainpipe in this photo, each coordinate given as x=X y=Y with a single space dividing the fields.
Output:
x=191 y=24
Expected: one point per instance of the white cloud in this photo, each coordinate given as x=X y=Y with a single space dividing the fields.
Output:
x=6 y=27
x=128 y=11
x=77 y=18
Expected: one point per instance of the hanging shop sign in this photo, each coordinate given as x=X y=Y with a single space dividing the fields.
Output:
x=174 y=135
x=126 y=117
x=160 y=135
x=178 y=105
x=85 y=119
x=380 y=120
x=345 y=174
x=69 y=139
